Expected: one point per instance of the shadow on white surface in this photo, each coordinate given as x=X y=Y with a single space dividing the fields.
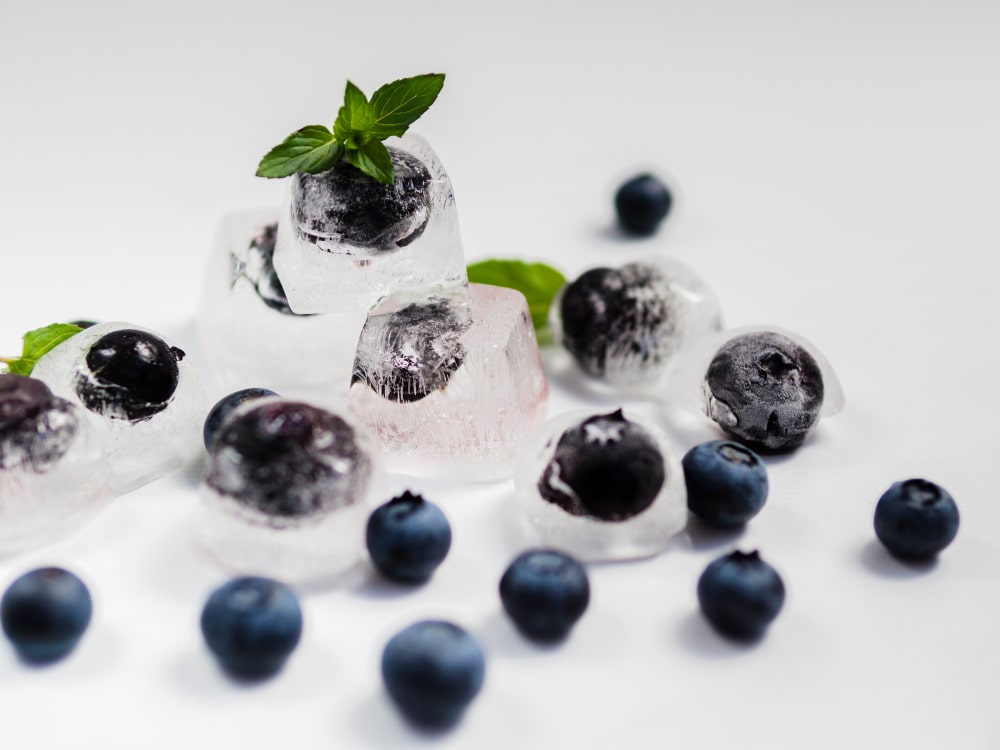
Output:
x=500 y=637
x=877 y=559
x=698 y=536
x=696 y=635
x=378 y=724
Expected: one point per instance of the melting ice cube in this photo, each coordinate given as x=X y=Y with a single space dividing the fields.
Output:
x=449 y=381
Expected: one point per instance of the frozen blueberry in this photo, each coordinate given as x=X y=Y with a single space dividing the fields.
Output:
x=606 y=468
x=36 y=428
x=613 y=319
x=130 y=375
x=252 y=625
x=258 y=268
x=225 y=406
x=344 y=205
x=83 y=323
x=45 y=613
x=545 y=592
x=288 y=460
x=740 y=594
x=419 y=349
x=916 y=519
x=642 y=203
x=433 y=670
x=407 y=538
x=765 y=390
x=726 y=483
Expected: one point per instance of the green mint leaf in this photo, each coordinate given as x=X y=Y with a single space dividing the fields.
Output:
x=313 y=149
x=373 y=159
x=355 y=118
x=399 y=104
x=38 y=343
x=538 y=282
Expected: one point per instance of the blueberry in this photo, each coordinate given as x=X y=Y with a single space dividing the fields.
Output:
x=916 y=519
x=607 y=468
x=642 y=203
x=545 y=592
x=45 y=613
x=726 y=483
x=258 y=268
x=765 y=391
x=225 y=406
x=83 y=323
x=345 y=205
x=408 y=537
x=252 y=625
x=433 y=670
x=36 y=427
x=130 y=375
x=740 y=594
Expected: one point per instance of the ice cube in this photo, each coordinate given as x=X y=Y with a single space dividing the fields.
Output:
x=144 y=395
x=601 y=486
x=345 y=240
x=52 y=475
x=288 y=490
x=247 y=331
x=449 y=381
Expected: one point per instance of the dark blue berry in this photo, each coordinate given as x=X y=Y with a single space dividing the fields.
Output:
x=36 y=427
x=642 y=203
x=726 y=483
x=407 y=538
x=740 y=594
x=252 y=625
x=225 y=407
x=44 y=613
x=545 y=592
x=433 y=670
x=916 y=519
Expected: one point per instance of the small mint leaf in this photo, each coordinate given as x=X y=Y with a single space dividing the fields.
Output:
x=538 y=282
x=38 y=343
x=373 y=159
x=313 y=149
x=399 y=104
x=355 y=118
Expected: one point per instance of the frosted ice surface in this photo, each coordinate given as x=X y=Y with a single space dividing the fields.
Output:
x=601 y=486
x=246 y=329
x=449 y=381
x=144 y=396
x=345 y=240
x=53 y=477
x=288 y=490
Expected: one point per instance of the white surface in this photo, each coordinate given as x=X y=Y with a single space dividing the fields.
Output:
x=835 y=165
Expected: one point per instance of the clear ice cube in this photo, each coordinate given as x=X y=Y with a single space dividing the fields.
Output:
x=246 y=329
x=144 y=395
x=601 y=486
x=345 y=240
x=449 y=381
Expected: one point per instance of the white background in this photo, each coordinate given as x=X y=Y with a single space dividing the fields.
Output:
x=836 y=166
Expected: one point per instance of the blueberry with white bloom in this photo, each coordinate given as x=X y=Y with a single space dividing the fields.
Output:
x=408 y=537
x=916 y=519
x=726 y=483
x=44 y=613
x=740 y=595
x=545 y=592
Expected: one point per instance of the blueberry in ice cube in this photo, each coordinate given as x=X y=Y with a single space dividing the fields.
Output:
x=252 y=625
x=726 y=483
x=642 y=203
x=606 y=468
x=129 y=375
x=916 y=519
x=36 y=427
x=764 y=390
x=614 y=318
x=258 y=268
x=407 y=538
x=286 y=460
x=432 y=670
x=413 y=352
x=45 y=612
x=225 y=406
x=740 y=594
x=545 y=592
x=344 y=205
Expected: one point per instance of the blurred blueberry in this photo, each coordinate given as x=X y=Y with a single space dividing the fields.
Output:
x=408 y=537
x=545 y=592
x=916 y=519
x=642 y=203
x=726 y=483
x=225 y=406
x=740 y=594
x=44 y=614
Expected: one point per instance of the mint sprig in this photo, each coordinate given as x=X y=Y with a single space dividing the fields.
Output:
x=358 y=131
x=538 y=282
x=37 y=344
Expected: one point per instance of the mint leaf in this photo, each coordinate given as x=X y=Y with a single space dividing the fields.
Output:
x=538 y=282
x=38 y=343
x=397 y=105
x=355 y=118
x=312 y=149
x=373 y=159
